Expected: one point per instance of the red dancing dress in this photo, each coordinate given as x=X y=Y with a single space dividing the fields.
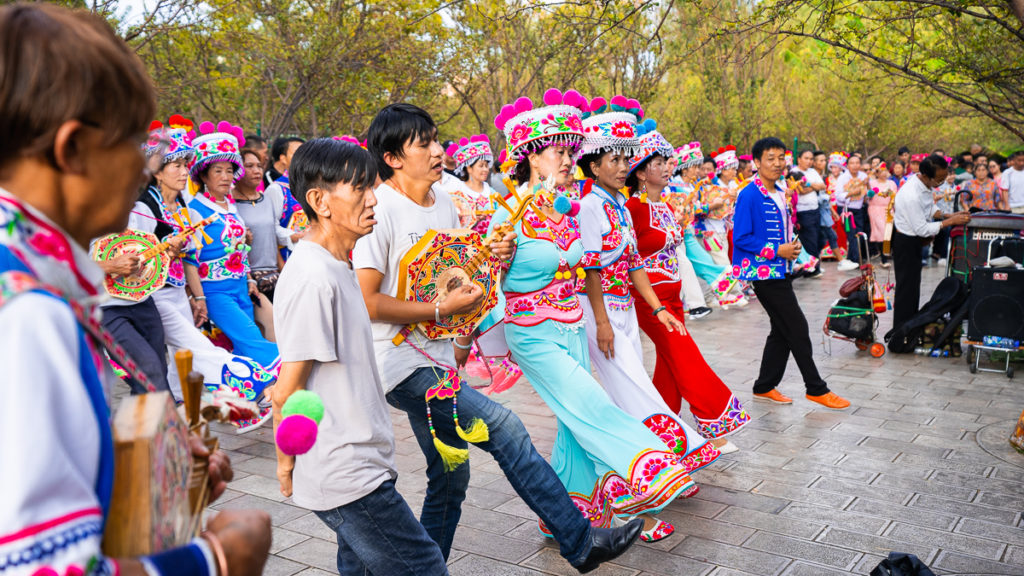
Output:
x=681 y=371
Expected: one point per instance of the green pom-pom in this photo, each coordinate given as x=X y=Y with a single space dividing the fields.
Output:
x=305 y=403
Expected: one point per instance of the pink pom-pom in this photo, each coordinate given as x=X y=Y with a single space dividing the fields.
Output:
x=573 y=98
x=553 y=97
x=499 y=122
x=507 y=112
x=480 y=138
x=224 y=126
x=452 y=150
x=296 y=434
x=239 y=134
x=574 y=210
x=523 y=104
x=597 y=103
x=620 y=100
x=207 y=127
x=640 y=113
x=502 y=156
x=464 y=142
x=632 y=103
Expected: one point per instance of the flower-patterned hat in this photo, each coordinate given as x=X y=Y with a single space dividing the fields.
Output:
x=725 y=158
x=222 y=143
x=528 y=129
x=612 y=127
x=173 y=140
x=651 y=143
x=350 y=139
x=689 y=155
x=469 y=150
x=837 y=158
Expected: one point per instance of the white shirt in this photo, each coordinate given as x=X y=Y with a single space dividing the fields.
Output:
x=841 y=183
x=809 y=201
x=400 y=224
x=914 y=208
x=319 y=315
x=1012 y=181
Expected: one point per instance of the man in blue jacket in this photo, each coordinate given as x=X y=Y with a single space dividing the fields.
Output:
x=763 y=252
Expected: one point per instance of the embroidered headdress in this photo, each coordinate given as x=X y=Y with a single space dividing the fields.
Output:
x=350 y=139
x=689 y=156
x=651 y=143
x=469 y=150
x=789 y=158
x=173 y=140
x=222 y=143
x=918 y=157
x=612 y=127
x=725 y=158
x=837 y=158
x=528 y=129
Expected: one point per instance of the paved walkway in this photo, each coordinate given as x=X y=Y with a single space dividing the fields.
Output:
x=919 y=464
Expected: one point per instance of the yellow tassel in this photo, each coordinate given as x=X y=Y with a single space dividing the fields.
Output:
x=451 y=456
x=477 y=432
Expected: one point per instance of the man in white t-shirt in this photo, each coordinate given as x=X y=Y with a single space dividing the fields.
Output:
x=403 y=141
x=323 y=333
x=851 y=190
x=1012 y=181
x=808 y=216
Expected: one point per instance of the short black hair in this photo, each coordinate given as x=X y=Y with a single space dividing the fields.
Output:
x=903 y=150
x=280 y=147
x=765 y=144
x=632 y=182
x=938 y=152
x=931 y=165
x=325 y=163
x=585 y=161
x=819 y=153
x=255 y=141
x=392 y=128
x=1014 y=155
x=802 y=152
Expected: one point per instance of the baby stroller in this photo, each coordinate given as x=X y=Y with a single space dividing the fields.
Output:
x=854 y=316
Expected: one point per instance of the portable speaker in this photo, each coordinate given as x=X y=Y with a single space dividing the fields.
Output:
x=996 y=303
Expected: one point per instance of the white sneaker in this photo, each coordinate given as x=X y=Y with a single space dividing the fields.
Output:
x=847 y=265
x=728 y=448
x=941 y=262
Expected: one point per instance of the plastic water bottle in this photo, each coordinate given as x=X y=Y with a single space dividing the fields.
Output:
x=1000 y=342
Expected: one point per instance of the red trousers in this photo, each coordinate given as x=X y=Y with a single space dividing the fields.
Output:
x=680 y=371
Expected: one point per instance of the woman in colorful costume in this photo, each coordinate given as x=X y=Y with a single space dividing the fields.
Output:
x=472 y=196
x=63 y=182
x=182 y=303
x=719 y=197
x=681 y=371
x=611 y=263
x=601 y=453
x=224 y=263
x=685 y=198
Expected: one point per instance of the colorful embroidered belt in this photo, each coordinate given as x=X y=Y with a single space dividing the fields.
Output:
x=557 y=301
x=229 y=267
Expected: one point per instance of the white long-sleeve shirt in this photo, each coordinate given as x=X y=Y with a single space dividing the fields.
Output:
x=914 y=209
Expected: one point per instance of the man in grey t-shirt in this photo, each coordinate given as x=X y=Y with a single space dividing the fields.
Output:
x=323 y=332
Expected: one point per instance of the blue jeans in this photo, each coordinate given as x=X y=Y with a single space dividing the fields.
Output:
x=510 y=445
x=378 y=534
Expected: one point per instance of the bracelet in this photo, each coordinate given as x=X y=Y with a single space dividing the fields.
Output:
x=218 y=551
x=658 y=310
x=461 y=346
x=437 y=311
x=199 y=298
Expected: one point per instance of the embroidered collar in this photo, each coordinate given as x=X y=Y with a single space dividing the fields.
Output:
x=764 y=189
x=620 y=209
x=217 y=208
x=47 y=250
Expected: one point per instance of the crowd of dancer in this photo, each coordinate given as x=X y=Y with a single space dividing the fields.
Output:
x=283 y=270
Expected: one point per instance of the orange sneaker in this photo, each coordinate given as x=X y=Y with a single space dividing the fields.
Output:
x=831 y=400
x=774 y=395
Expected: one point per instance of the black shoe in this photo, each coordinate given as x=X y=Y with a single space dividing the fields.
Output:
x=699 y=312
x=610 y=543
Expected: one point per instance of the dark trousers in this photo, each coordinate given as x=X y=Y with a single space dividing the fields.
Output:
x=940 y=246
x=138 y=329
x=789 y=334
x=859 y=224
x=810 y=231
x=906 y=261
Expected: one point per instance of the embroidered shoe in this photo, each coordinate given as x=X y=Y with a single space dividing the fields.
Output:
x=660 y=531
x=831 y=401
x=774 y=395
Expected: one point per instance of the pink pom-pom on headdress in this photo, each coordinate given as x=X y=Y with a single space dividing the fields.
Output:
x=574 y=98
x=523 y=104
x=553 y=97
x=155 y=125
x=506 y=114
x=224 y=126
x=480 y=138
x=237 y=132
x=452 y=149
x=597 y=103
x=619 y=100
x=632 y=103
x=464 y=141
x=207 y=128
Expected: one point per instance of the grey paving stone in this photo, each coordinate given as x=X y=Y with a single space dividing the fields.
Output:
x=277 y=566
x=718 y=554
x=956 y=563
x=722 y=571
x=314 y=552
x=284 y=539
x=932 y=485
x=875 y=545
x=315 y=572
x=987 y=513
x=835 y=518
x=908 y=514
x=697 y=505
x=760 y=473
x=808 y=495
x=947 y=541
x=280 y=513
x=729 y=479
x=716 y=529
x=854 y=473
x=518 y=509
x=1000 y=500
x=310 y=525
x=749 y=500
x=774 y=523
x=805 y=569
x=473 y=565
x=492 y=545
x=938 y=463
x=550 y=562
x=489 y=520
x=650 y=560
x=1009 y=534
x=266 y=467
x=906 y=447
x=896 y=496
x=486 y=499
x=260 y=486
x=812 y=551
